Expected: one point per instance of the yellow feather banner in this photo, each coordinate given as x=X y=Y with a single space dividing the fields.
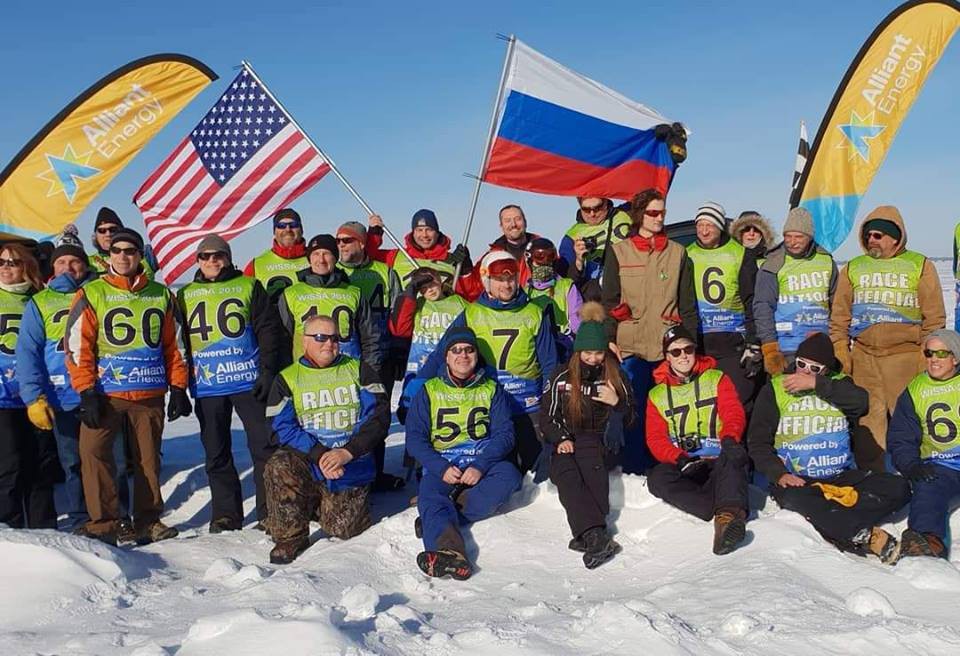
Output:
x=63 y=168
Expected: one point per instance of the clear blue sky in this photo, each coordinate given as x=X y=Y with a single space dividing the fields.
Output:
x=400 y=94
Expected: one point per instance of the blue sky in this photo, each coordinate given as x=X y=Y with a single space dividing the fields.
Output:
x=400 y=94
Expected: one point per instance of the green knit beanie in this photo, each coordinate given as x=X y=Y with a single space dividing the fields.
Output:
x=591 y=336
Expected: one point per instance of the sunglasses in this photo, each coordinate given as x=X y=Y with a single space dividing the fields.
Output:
x=220 y=255
x=462 y=350
x=106 y=231
x=287 y=225
x=4 y=262
x=874 y=234
x=543 y=257
x=593 y=209
x=346 y=240
x=116 y=250
x=809 y=366
x=683 y=350
x=654 y=213
x=751 y=229
x=323 y=338
x=943 y=354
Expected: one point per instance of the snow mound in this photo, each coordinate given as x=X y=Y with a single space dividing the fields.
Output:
x=929 y=574
x=306 y=631
x=867 y=601
x=359 y=602
x=56 y=571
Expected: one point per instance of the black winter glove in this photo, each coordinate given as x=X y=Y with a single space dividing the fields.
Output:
x=91 y=408
x=922 y=473
x=689 y=465
x=460 y=255
x=401 y=414
x=751 y=361
x=421 y=278
x=261 y=388
x=178 y=405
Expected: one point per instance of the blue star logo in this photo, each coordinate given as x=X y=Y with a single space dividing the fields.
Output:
x=67 y=171
x=858 y=131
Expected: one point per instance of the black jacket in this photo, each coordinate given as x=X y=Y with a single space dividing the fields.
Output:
x=554 y=419
x=843 y=393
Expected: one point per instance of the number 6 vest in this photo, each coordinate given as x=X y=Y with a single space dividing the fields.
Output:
x=937 y=404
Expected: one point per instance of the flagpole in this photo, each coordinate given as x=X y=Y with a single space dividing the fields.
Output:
x=511 y=41
x=333 y=167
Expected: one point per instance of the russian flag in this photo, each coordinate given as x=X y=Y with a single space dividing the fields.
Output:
x=564 y=134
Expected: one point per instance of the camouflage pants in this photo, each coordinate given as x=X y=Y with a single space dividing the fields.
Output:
x=294 y=497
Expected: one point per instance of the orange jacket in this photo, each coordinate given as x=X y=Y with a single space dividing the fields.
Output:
x=83 y=326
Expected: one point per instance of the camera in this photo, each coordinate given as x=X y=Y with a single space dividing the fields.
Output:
x=591 y=242
x=689 y=443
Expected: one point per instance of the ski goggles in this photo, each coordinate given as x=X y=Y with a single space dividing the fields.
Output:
x=682 y=350
x=543 y=256
x=942 y=354
x=812 y=367
x=323 y=338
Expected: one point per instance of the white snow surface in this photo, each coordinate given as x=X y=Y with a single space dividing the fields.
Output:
x=785 y=591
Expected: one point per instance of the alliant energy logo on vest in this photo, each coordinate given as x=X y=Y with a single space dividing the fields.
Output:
x=813 y=436
x=111 y=128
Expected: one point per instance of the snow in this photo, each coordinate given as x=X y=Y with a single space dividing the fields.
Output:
x=785 y=591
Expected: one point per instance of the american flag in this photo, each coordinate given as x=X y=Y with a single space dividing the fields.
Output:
x=244 y=161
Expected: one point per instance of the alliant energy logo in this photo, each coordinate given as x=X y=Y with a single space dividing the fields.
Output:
x=112 y=128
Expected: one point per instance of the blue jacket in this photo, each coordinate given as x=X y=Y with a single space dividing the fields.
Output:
x=33 y=369
x=545 y=341
x=497 y=446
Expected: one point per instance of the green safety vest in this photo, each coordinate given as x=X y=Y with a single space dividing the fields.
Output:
x=129 y=348
x=813 y=436
x=54 y=307
x=507 y=341
x=341 y=303
x=11 y=313
x=430 y=323
x=803 y=303
x=459 y=418
x=593 y=260
x=223 y=349
x=328 y=406
x=937 y=405
x=555 y=296
x=373 y=279
x=717 y=283
x=690 y=409
x=885 y=290
x=277 y=273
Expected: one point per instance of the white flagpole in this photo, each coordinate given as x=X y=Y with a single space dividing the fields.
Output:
x=333 y=167
x=511 y=41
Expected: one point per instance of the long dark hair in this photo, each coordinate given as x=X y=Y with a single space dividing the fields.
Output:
x=611 y=372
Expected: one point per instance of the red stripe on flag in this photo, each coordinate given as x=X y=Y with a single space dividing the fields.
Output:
x=156 y=175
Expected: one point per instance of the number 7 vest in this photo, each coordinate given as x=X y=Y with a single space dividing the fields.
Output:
x=129 y=349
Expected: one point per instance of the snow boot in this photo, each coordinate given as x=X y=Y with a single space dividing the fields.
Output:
x=418 y=528
x=125 y=532
x=921 y=544
x=600 y=547
x=156 y=532
x=287 y=551
x=729 y=530
x=109 y=538
x=577 y=544
x=221 y=524
x=445 y=562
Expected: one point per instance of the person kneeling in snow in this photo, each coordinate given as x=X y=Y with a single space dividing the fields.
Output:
x=799 y=438
x=329 y=411
x=694 y=425
x=924 y=446
x=585 y=405
x=459 y=429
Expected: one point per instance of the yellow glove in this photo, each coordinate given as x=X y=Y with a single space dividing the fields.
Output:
x=40 y=413
x=845 y=495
